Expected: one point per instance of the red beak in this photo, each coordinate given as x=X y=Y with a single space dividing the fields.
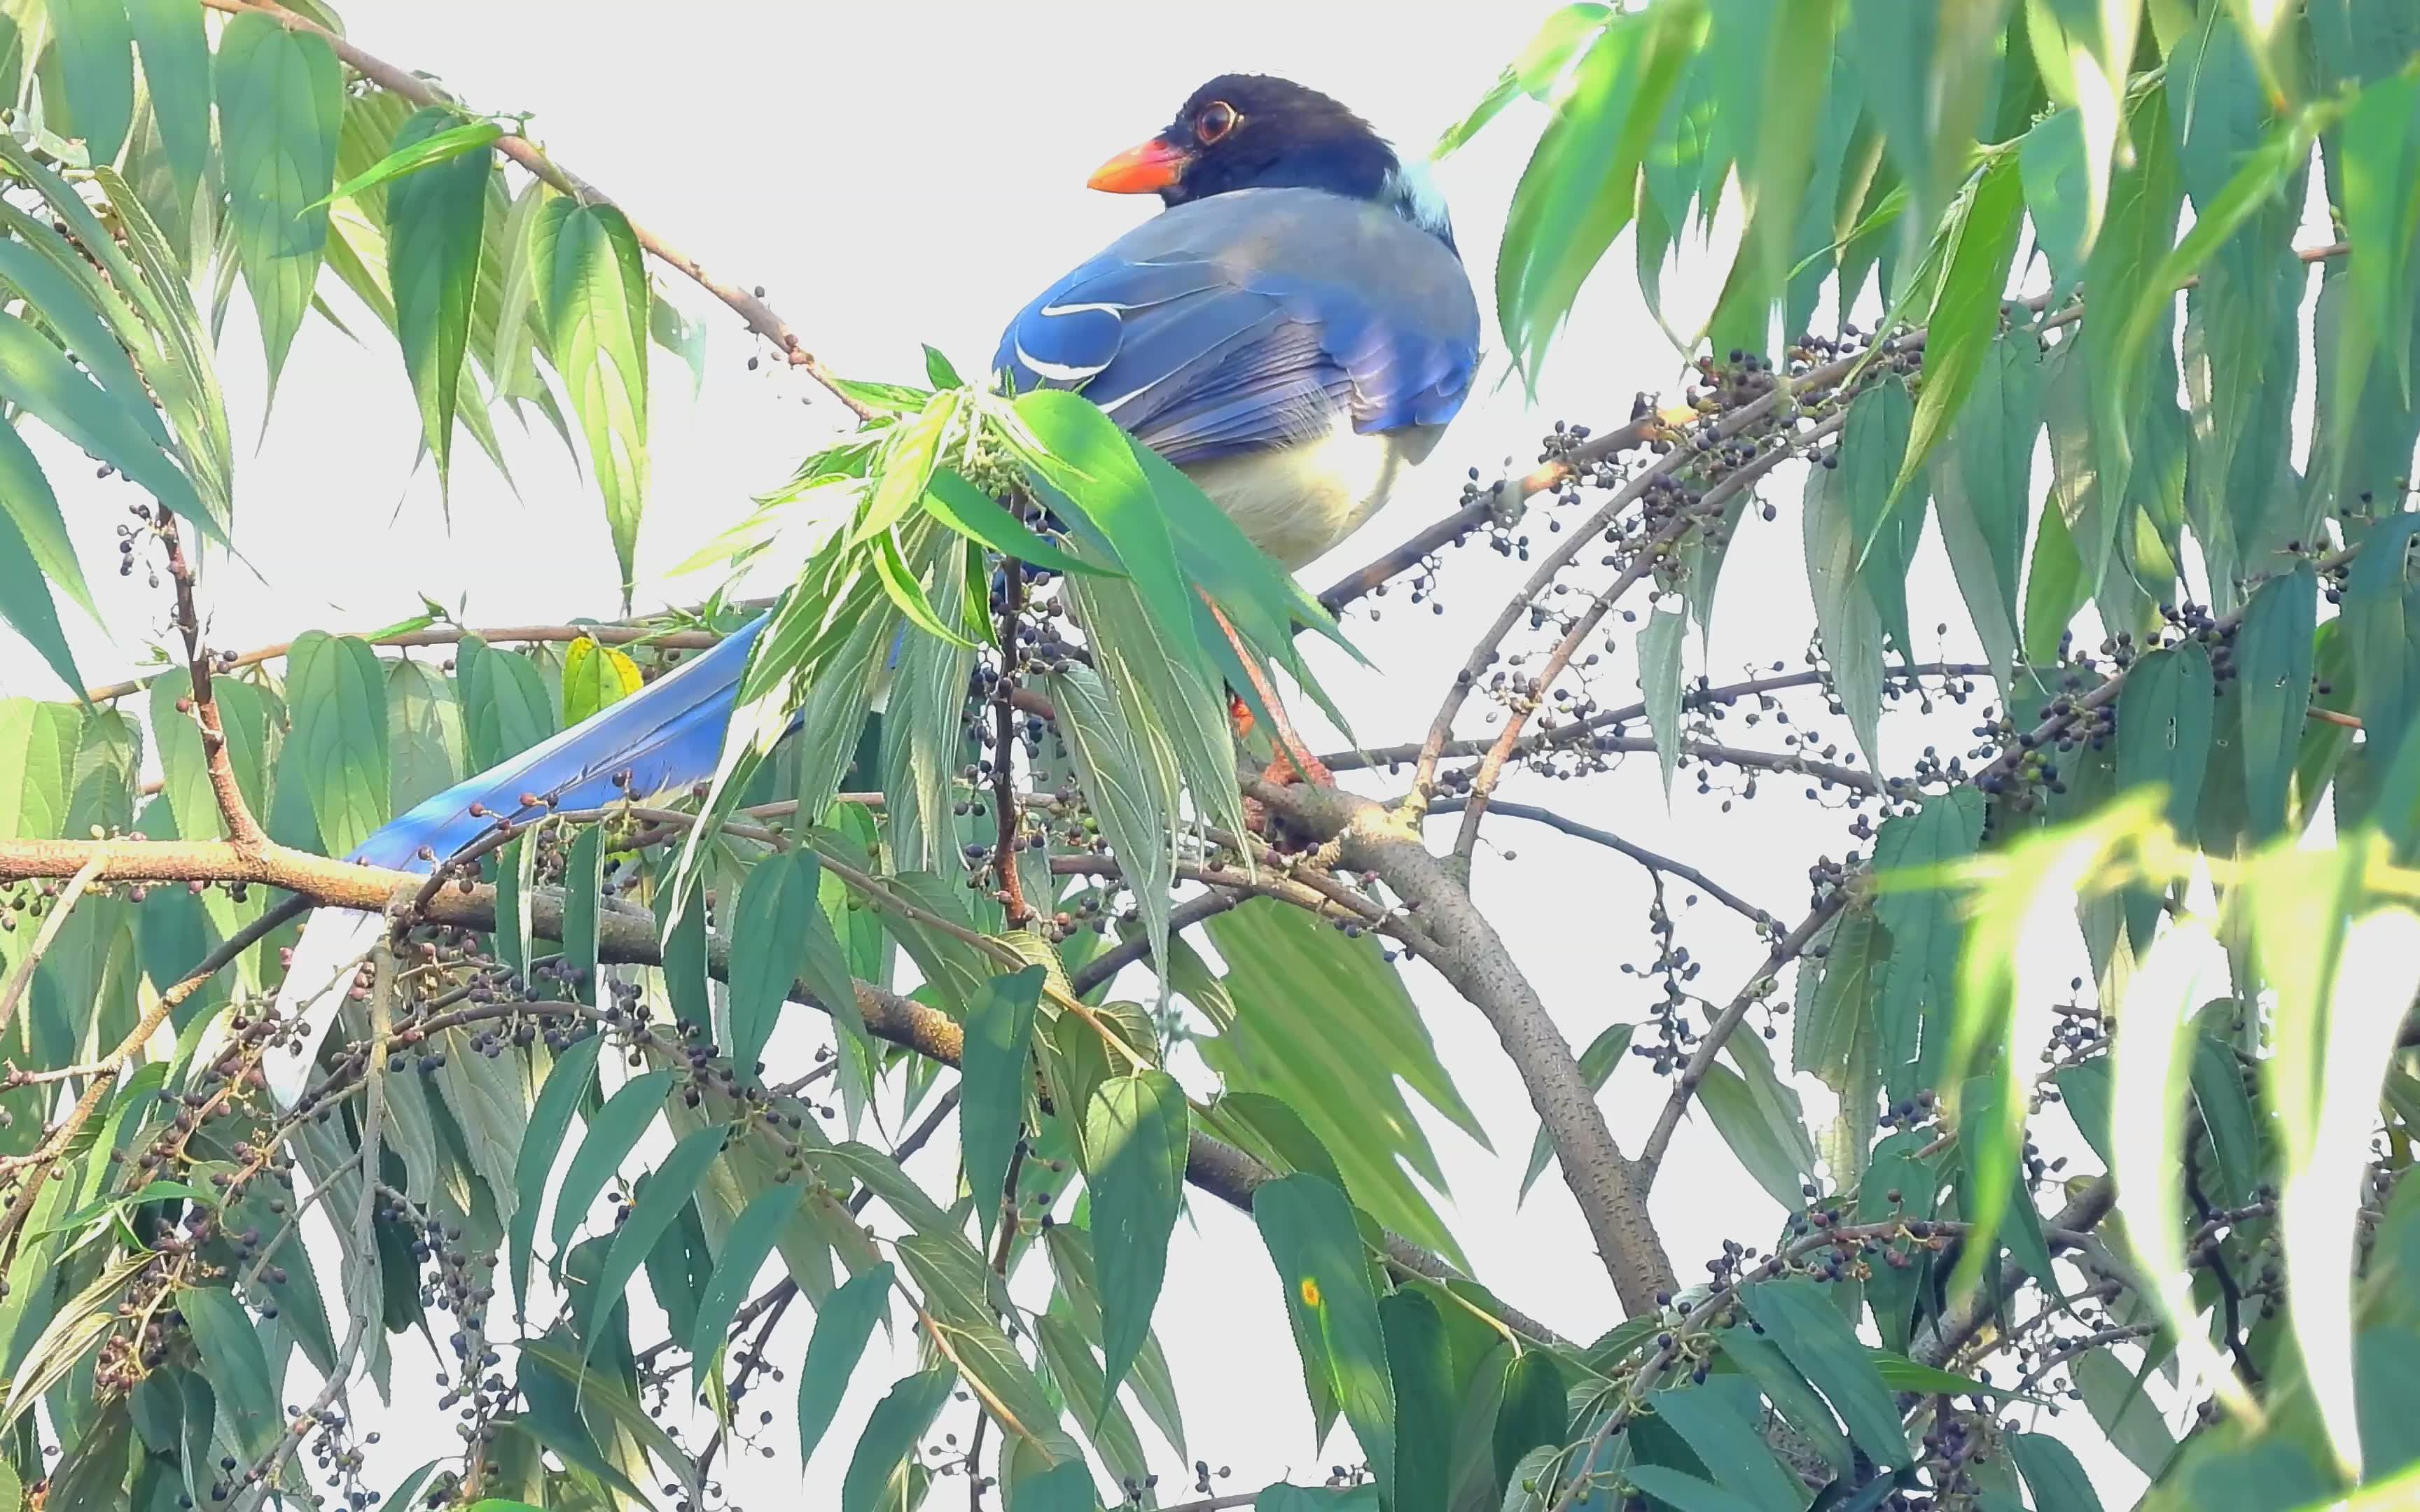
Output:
x=1140 y=170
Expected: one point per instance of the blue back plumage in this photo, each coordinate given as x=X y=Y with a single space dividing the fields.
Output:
x=666 y=735
x=1253 y=320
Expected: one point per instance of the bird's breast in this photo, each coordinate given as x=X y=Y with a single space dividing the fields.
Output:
x=1297 y=501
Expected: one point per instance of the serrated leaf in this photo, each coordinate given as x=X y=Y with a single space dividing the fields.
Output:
x=1534 y=72
x=1133 y=796
x=610 y=1136
x=974 y=514
x=238 y=1365
x=39 y=379
x=280 y=97
x=435 y=223
x=1925 y=931
x=1768 y=1156
x=1533 y=1411
x=1960 y=334
x=994 y=1073
x=1980 y=477
x=337 y=748
x=1137 y=1132
x=591 y=289
x=1420 y=1365
x=1886 y=515
x=2163 y=739
x=1811 y=1332
x=1309 y=1229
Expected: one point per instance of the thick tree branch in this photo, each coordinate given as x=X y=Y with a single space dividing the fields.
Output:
x=751 y=307
x=1474 y=958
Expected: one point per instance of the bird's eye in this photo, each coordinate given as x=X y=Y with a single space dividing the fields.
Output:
x=1216 y=119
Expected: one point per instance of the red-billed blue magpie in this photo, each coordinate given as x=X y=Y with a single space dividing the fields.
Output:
x=1294 y=330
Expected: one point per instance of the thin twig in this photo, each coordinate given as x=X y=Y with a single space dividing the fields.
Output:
x=1652 y=861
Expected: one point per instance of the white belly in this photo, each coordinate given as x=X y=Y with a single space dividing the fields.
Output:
x=1296 y=504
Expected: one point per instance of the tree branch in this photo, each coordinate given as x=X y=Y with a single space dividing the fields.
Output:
x=761 y=316
x=1652 y=861
x=1472 y=956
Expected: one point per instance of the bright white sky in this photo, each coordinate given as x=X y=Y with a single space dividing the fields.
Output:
x=896 y=175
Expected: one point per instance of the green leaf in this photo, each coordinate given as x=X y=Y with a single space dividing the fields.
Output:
x=1079 y=1381
x=751 y=1237
x=611 y=1134
x=1811 y=1332
x=1797 y=1402
x=582 y=875
x=506 y=709
x=280 y=94
x=1961 y=334
x=1087 y=459
x=1874 y=445
x=435 y=223
x=2381 y=172
x=842 y=1324
x=2124 y=1411
x=590 y=288
x=1925 y=931
x=424 y=734
x=976 y=515
x=1063 y=1487
x=1981 y=477
x=24 y=596
x=2273 y=656
x=176 y=52
x=1598 y=1062
x=1719 y=1422
x=1847 y=623
x=885 y=1452
x=566 y=1088
x=1659 y=681
x=1133 y=796
x=1420 y=1365
x=1897 y=1165
x=2163 y=737
x=994 y=1073
x=1309 y=1229
x=1071 y=1267
x=2052 y=1472
x=1534 y=1410
x=337 y=748
x=2382 y=614
x=425 y=141
x=237 y=1365
x=658 y=1203
x=1686 y=1493
x=38 y=377
x=1769 y=1155
x=95 y=45
x=778 y=905
x=30 y=512
x=1137 y=1132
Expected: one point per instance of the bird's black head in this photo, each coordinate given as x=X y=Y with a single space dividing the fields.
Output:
x=1252 y=130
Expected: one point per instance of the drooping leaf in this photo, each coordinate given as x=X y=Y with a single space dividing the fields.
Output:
x=1925 y=933
x=1309 y=1229
x=1959 y=335
x=1534 y=1410
x=238 y=1365
x=1598 y=1062
x=95 y=44
x=1719 y=1421
x=1811 y=1331
x=2273 y=657
x=1847 y=622
x=1776 y=1161
x=337 y=748
x=885 y=1452
x=506 y=709
x=1420 y=1365
x=435 y=220
x=549 y=1118
x=778 y=905
x=1659 y=681
x=176 y=52
x=843 y=1325
x=994 y=1074
x=281 y=104
x=583 y=876
x=1136 y=1136
x=658 y=1203
x=591 y=288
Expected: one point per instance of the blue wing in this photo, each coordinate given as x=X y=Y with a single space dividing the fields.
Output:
x=1250 y=320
